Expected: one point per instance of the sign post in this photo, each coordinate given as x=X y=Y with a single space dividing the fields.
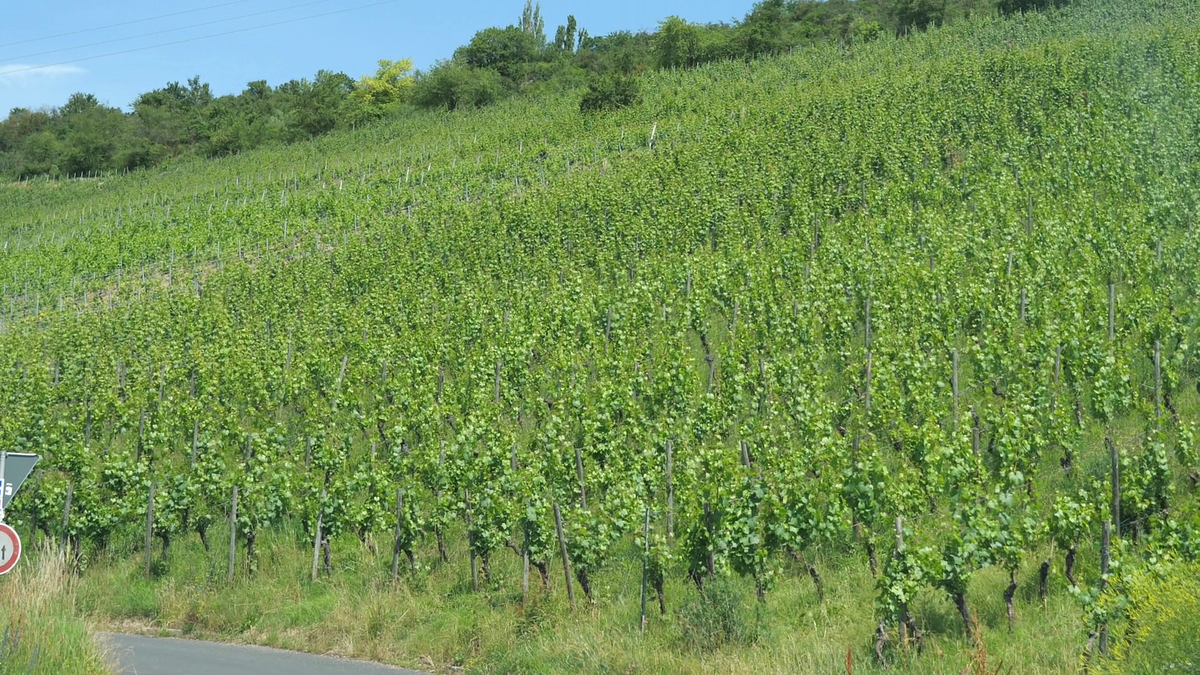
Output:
x=14 y=469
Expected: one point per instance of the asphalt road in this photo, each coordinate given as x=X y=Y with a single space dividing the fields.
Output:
x=138 y=655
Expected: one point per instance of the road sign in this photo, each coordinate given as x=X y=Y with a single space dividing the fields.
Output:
x=10 y=549
x=15 y=467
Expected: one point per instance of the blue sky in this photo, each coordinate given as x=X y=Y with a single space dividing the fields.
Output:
x=340 y=35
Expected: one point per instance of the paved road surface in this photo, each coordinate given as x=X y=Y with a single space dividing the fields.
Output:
x=139 y=655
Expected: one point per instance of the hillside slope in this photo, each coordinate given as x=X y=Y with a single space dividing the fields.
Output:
x=783 y=307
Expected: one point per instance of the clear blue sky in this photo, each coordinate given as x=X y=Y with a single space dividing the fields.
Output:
x=348 y=41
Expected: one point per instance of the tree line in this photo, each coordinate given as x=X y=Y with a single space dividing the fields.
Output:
x=85 y=136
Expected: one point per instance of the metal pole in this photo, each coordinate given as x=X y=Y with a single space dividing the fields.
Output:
x=3 y=484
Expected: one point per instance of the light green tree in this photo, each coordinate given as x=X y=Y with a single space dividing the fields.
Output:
x=391 y=82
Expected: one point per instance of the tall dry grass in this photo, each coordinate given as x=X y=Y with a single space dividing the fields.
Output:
x=39 y=631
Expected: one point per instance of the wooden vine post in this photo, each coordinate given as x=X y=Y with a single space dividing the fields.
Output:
x=1105 y=554
x=1158 y=398
x=317 y=538
x=441 y=542
x=566 y=559
x=645 y=567
x=954 y=381
x=975 y=431
x=149 y=529
x=1057 y=365
x=471 y=542
x=1115 y=456
x=525 y=572
x=232 y=535
x=195 y=441
x=396 y=542
x=670 y=493
x=67 y=518
x=901 y=619
x=496 y=393
x=1112 y=312
x=515 y=466
x=580 y=474
x=867 y=379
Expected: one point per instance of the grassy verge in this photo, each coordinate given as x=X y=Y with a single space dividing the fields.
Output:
x=39 y=631
x=432 y=620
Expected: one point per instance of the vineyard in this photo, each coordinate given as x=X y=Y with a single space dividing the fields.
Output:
x=926 y=305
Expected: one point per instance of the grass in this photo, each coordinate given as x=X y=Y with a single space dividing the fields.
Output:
x=431 y=619
x=39 y=630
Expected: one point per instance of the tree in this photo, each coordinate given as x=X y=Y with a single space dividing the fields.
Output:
x=172 y=117
x=453 y=85
x=78 y=104
x=677 y=44
x=198 y=94
x=564 y=38
x=762 y=31
x=918 y=14
x=93 y=134
x=503 y=50
x=532 y=23
x=392 y=82
x=1015 y=6
x=622 y=51
x=236 y=123
x=40 y=155
x=20 y=124
x=865 y=31
x=316 y=106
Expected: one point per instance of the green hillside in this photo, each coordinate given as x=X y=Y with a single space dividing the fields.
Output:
x=833 y=352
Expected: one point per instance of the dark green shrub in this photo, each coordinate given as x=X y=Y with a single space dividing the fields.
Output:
x=452 y=86
x=611 y=92
x=1017 y=6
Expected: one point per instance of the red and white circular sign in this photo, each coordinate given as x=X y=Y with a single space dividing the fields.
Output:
x=10 y=548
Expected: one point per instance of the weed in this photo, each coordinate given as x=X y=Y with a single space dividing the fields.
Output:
x=717 y=616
